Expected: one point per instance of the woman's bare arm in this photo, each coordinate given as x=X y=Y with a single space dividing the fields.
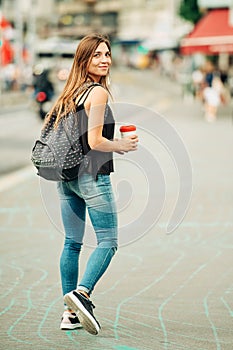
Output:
x=96 y=105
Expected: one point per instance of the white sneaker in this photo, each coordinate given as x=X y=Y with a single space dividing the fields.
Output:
x=69 y=321
x=84 y=307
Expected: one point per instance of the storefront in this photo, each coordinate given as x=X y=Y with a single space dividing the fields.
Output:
x=212 y=35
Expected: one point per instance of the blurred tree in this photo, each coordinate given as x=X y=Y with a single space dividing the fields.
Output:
x=189 y=10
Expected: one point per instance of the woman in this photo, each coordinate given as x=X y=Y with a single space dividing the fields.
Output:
x=92 y=189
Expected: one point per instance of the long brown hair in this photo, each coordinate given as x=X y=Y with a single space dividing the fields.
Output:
x=78 y=79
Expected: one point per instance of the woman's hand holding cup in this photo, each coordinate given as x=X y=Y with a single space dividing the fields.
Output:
x=129 y=139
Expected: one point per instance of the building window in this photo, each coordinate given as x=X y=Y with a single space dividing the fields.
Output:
x=109 y=19
x=63 y=1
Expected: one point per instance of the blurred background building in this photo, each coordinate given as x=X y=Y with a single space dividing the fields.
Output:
x=40 y=26
x=76 y=18
x=144 y=33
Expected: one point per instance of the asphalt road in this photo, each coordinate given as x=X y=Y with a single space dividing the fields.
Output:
x=162 y=291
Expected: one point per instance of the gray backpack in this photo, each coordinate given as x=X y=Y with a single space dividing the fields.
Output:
x=58 y=154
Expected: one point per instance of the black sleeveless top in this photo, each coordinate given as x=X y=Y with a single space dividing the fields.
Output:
x=99 y=162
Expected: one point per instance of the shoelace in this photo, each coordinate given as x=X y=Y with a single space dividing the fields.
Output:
x=90 y=304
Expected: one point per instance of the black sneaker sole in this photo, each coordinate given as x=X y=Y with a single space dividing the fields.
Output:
x=85 y=318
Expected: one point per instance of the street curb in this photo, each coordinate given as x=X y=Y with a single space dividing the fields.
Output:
x=14 y=100
x=10 y=109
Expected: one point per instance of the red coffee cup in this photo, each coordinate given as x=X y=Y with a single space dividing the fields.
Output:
x=127 y=130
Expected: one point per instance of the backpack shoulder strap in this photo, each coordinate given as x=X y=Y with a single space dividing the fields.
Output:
x=86 y=93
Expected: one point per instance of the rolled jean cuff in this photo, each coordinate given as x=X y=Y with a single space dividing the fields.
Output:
x=84 y=289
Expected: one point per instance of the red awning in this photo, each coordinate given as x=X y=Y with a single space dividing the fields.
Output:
x=213 y=34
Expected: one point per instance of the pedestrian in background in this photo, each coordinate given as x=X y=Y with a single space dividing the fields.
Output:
x=92 y=190
x=197 y=82
x=213 y=91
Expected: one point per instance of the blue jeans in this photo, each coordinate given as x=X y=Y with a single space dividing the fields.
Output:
x=97 y=197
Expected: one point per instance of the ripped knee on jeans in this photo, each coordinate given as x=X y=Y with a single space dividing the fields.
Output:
x=114 y=249
x=109 y=244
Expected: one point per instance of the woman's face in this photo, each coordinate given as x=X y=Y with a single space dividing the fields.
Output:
x=100 y=62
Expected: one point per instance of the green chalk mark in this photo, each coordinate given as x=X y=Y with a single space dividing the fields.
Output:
x=124 y=347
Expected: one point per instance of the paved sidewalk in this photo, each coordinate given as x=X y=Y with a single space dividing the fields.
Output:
x=170 y=292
